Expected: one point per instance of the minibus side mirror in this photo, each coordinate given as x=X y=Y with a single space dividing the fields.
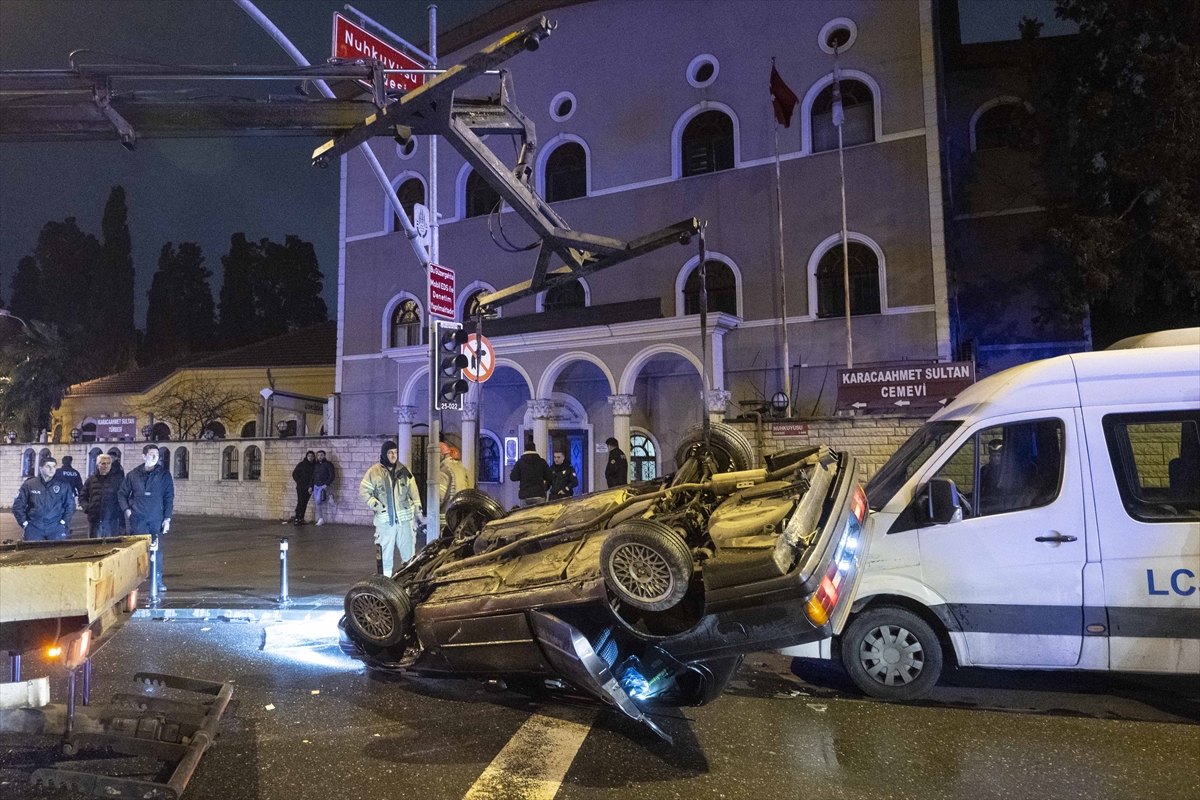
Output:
x=941 y=504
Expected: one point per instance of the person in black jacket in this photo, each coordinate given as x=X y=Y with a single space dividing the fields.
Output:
x=533 y=473
x=69 y=475
x=564 y=479
x=147 y=497
x=99 y=499
x=44 y=504
x=322 y=481
x=616 y=472
x=303 y=476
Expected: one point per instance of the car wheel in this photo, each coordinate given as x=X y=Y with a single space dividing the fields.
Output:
x=469 y=510
x=378 y=611
x=731 y=450
x=892 y=653
x=646 y=564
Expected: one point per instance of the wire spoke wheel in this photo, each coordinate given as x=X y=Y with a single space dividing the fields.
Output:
x=373 y=615
x=642 y=571
x=892 y=655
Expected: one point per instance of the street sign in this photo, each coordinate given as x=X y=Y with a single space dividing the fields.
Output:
x=902 y=387
x=481 y=358
x=118 y=428
x=785 y=429
x=353 y=43
x=421 y=223
x=441 y=291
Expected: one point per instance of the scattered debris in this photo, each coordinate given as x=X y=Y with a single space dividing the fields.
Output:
x=315 y=691
x=205 y=629
x=817 y=707
x=269 y=706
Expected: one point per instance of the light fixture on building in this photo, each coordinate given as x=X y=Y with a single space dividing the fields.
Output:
x=76 y=434
x=146 y=431
x=10 y=437
x=779 y=402
x=282 y=427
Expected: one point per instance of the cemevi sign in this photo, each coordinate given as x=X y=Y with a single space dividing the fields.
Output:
x=352 y=43
x=903 y=387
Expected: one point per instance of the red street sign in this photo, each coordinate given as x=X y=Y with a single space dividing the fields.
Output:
x=352 y=43
x=790 y=429
x=441 y=291
x=903 y=387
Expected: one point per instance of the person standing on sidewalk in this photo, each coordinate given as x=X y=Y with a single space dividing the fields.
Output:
x=390 y=491
x=564 y=479
x=69 y=475
x=147 y=497
x=44 y=504
x=99 y=499
x=453 y=477
x=533 y=474
x=616 y=471
x=303 y=476
x=322 y=481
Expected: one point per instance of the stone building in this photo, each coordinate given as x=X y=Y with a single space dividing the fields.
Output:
x=649 y=113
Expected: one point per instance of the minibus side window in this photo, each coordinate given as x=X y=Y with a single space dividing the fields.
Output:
x=904 y=463
x=1156 y=461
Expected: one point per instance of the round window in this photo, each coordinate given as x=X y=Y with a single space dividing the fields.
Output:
x=407 y=150
x=562 y=107
x=837 y=34
x=703 y=70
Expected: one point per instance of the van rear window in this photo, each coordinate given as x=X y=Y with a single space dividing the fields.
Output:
x=1156 y=461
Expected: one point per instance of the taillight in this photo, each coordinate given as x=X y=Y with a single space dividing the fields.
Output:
x=858 y=504
x=822 y=601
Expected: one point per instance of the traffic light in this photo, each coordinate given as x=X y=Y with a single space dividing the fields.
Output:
x=451 y=386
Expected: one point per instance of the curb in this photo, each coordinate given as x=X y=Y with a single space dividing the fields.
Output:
x=272 y=613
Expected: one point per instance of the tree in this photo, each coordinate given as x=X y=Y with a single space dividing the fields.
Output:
x=67 y=259
x=238 y=321
x=180 y=317
x=195 y=400
x=113 y=286
x=35 y=370
x=270 y=289
x=1125 y=243
x=26 y=301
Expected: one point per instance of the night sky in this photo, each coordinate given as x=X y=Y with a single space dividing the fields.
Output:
x=206 y=190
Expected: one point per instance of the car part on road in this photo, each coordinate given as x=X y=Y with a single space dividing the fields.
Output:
x=646 y=564
x=728 y=447
x=892 y=653
x=379 y=611
x=469 y=510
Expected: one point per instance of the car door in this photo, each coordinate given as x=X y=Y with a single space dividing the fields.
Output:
x=1011 y=569
x=1146 y=474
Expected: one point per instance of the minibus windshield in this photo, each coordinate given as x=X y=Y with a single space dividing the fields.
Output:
x=907 y=460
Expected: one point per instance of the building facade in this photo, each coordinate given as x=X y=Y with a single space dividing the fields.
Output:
x=647 y=114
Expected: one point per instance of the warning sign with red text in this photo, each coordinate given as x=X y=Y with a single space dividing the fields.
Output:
x=903 y=387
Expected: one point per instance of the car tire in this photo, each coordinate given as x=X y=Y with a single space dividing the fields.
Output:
x=471 y=508
x=891 y=653
x=731 y=450
x=646 y=564
x=378 y=611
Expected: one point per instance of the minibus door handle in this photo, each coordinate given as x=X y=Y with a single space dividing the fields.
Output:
x=1056 y=537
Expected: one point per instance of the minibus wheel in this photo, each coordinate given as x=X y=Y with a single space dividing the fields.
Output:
x=892 y=653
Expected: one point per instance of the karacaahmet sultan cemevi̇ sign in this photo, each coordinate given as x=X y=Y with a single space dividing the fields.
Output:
x=902 y=387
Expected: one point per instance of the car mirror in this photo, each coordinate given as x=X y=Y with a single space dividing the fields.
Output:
x=941 y=504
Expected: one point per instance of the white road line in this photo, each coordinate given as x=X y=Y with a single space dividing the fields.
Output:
x=534 y=762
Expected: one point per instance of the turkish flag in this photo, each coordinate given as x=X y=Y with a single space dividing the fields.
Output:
x=782 y=98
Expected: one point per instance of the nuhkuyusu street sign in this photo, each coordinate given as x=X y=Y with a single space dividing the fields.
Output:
x=351 y=42
x=903 y=387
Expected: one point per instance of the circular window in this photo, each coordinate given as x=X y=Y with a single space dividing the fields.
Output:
x=408 y=150
x=562 y=107
x=838 y=33
x=703 y=70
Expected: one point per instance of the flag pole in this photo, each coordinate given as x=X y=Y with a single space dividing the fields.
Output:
x=838 y=120
x=783 y=314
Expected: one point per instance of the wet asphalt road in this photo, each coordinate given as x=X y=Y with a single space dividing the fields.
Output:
x=783 y=730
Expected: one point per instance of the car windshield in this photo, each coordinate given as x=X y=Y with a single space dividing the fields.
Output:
x=907 y=460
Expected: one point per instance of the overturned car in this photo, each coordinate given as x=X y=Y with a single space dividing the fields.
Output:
x=648 y=594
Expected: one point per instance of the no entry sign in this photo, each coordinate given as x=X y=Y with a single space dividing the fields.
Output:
x=903 y=387
x=441 y=291
x=352 y=43
x=481 y=358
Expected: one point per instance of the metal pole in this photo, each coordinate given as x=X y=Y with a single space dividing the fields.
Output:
x=783 y=315
x=433 y=452
x=367 y=21
x=154 y=576
x=70 y=704
x=284 y=599
x=845 y=243
x=14 y=667
x=87 y=681
x=706 y=425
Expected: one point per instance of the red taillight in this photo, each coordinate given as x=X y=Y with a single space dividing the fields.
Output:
x=828 y=593
x=858 y=505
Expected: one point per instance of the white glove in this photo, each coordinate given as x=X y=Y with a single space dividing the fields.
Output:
x=166 y=526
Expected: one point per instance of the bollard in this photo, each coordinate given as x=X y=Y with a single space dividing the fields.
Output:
x=87 y=682
x=284 y=600
x=154 y=576
x=70 y=702
x=14 y=667
x=379 y=559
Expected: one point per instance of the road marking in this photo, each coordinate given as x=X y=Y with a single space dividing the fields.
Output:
x=534 y=762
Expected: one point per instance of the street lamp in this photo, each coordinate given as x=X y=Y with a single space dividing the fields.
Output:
x=146 y=431
x=10 y=437
x=4 y=312
x=282 y=427
x=76 y=435
x=779 y=402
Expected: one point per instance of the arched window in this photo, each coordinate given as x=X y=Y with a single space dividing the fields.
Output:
x=57 y=433
x=164 y=457
x=489 y=459
x=565 y=296
x=250 y=430
x=864 y=281
x=643 y=459
x=411 y=192
x=858 y=104
x=93 y=454
x=42 y=456
x=229 y=464
x=471 y=306
x=481 y=198
x=707 y=143
x=182 y=462
x=115 y=452
x=88 y=429
x=161 y=432
x=1005 y=124
x=253 y=459
x=406 y=324
x=290 y=428
x=28 y=463
x=213 y=430
x=722 y=289
x=566 y=172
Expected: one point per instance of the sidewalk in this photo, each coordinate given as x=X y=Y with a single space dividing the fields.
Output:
x=219 y=566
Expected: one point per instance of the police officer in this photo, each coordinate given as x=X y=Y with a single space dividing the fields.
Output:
x=147 y=498
x=44 y=504
x=616 y=471
x=564 y=480
x=69 y=475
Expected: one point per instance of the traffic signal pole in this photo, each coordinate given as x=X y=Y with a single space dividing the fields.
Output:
x=433 y=452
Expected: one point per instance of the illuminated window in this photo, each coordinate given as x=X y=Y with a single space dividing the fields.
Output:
x=406 y=323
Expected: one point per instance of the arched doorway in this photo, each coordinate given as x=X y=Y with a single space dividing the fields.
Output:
x=668 y=399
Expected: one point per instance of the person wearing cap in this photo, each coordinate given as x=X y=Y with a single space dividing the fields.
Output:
x=453 y=476
x=390 y=491
x=616 y=471
x=44 y=504
x=303 y=476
